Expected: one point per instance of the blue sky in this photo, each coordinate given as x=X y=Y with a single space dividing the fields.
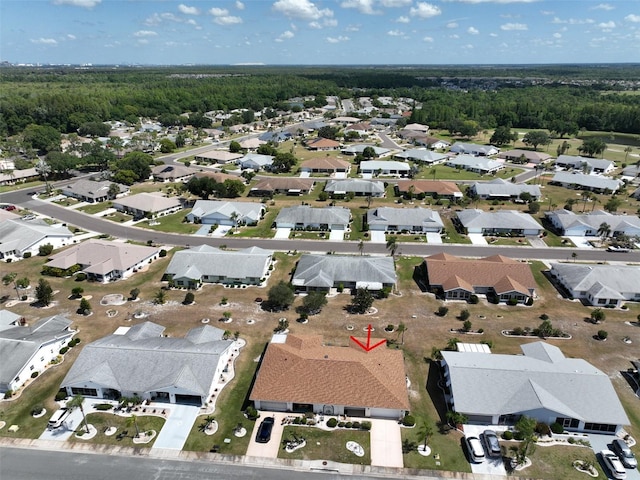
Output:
x=319 y=31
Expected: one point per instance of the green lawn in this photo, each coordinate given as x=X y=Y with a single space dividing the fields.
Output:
x=94 y=208
x=118 y=217
x=507 y=241
x=103 y=420
x=304 y=235
x=66 y=202
x=327 y=445
x=173 y=223
x=443 y=172
x=557 y=462
x=452 y=236
x=263 y=229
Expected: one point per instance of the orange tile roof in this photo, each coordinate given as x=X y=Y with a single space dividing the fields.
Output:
x=322 y=142
x=326 y=164
x=303 y=370
x=502 y=273
x=218 y=176
x=428 y=186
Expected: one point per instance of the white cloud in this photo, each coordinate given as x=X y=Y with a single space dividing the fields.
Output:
x=339 y=39
x=395 y=3
x=496 y=1
x=352 y=28
x=302 y=9
x=182 y=8
x=468 y=46
x=452 y=25
x=71 y=36
x=573 y=21
x=78 y=3
x=632 y=18
x=493 y=35
x=395 y=33
x=285 y=36
x=239 y=5
x=473 y=31
x=428 y=39
x=143 y=41
x=547 y=12
x=454 y=36
x=608 y=25
x=158 y=18
x=363 y=6
x=145 y=33
x=403 y=19
x=228 y=20
x=603 y=6
x=557 y=35
x=218 y=12
x=513 y=26
x=424 y=10
x=44 y=41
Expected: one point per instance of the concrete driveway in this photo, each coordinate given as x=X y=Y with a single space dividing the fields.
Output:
x=70 y=425
x=433 y=237
x=336 y=235
x=177 y=427
x=282 y=233
x=603 y=442
x=269 y=449
x=386 y=443
x=477 y=239
x=491 y=465
x=378 y=236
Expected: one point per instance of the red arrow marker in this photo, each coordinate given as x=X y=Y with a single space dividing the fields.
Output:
x=368 y=347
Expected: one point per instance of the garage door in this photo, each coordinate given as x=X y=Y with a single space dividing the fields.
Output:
x=189 y=399
x=354 y=412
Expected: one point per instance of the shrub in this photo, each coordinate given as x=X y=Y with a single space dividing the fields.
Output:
x=332 y=423
x=473 y=299
x=542 y=428
x=507 y=435
x=348 y=425
x=103 y=406
x=61 y=395
x=408 y=420
x=556 y=428
x=252 y=413
x=389 y=328
x=512 y=301
x=366 y=425
x=481 y=330
x=163 y=253
x=64 y=350
x=529 y=302
x=571 y=440
x=34 y=374
x=45 y=250
x=355 y=425
x=341 y=424
x=602 y=334
x=464 y=315
x=37 y=409
x=8 y=393
x=466 y=326
x=81 y=277
x=518 y=436
x=26 y=255
x=189 y=298
x=442 y=311
x=518 y=331
x=74 y=342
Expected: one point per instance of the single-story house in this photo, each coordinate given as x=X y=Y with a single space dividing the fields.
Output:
x=636 y=194
x=384 y=167
x=345 y=120
x=360 y=188
x=474 y=149
x=322 y=144
x=9 y=319
x=301 y=217
x=205 y=264
x=214 y=212
x=389 y=219
x=28 y=349
x=361 y=128
x=251 y=143
x=632 y=171
x=299 y=373
x=102 y=260
x=594 y=183
x=502 y=277
x=359 y=149
x=140 y=361
x=433 y=188
x=172 y=173
x=152 y=204
x=422 y=155
x=217 y=156
x=93 y=192
x=529 y=156
x=324 y=272
x=268 y=187
x=219 y=177
x=27 y=236
x=589 y=224
x=255 y=161
x=19 y=176
x=417 y=127
x=481 y=165
x=599 y=285
x=494 y=389
x=276 y=137
x=587 y=165
x=499 y=189
x=499 y=222
x=325 y=165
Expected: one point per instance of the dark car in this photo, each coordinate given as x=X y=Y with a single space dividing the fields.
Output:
x=624 y=453
x=264 y=430
x=492 y=443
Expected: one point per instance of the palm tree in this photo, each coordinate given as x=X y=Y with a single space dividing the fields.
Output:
x=44 y=169
x=425 y=431
x=401 y=329
x=392 y=245
x=627 y=151
x=604 y=230
x=586 y=196
x=132 y=421
x=76 y=402
x=11 y=277
x=234 y=218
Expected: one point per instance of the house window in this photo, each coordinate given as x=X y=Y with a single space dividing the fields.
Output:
x=600 y=427
x=602 y=301
x=568 y=422
x=85 y=392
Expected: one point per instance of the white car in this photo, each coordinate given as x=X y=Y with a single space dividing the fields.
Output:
x=613 y=463
x=475 y=450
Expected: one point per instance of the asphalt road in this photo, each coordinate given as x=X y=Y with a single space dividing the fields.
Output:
x=31 y=464
x=92 y=223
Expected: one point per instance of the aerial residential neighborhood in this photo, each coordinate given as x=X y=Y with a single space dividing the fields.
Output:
x=329 y=282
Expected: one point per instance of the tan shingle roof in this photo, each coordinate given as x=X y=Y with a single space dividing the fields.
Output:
x=326 y=164
x=428 y=186
x=502 y=273
x=303 y=370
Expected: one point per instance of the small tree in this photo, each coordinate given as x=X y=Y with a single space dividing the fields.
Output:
x=11 y=278
x=466 y=326
x=160 y=297
x=442 y=311
x=455 y=418
x=189 y=298
x=392 y=245
x=425 y=432
x=23 y=282
x=85 y=307
x=464 y=315
x=76 y=402
x=76 y=292
x=133 y=421
x=133 y=294
x=312 y=304
x=44 y=292
x=602 y=334
x=45 y=250
x=280 y=296
x=361 y=301
x=598 y=316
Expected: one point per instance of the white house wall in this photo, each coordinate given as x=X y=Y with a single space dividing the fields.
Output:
x=40 y=360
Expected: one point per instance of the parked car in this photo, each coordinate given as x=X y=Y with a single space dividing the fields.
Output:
x=625 y=454
x=29 y=216
x=613 y=464
x=617 y=249
x=58 y=418
x=475 y=450
x=264 y=430
x=492 y=443
x=8 y=207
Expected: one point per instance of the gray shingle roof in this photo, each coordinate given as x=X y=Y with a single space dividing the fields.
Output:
x=500 y=187
x=618 y=278
x=507 y=219
x=21 y=235
x=19 y=344
x=590 y=181
x=148 y=202
x=542 y=378
x=421 y=155
x=91 y=189
x=425 y=217
x=618 y=223
x=355 y=185
x=326 y=270
x=471 y=162
x=578 y=162
x=249 y=212
x=310 y=216
x=196 y=262
x=143 y=361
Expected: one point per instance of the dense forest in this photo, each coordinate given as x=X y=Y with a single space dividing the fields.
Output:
x=554 y=97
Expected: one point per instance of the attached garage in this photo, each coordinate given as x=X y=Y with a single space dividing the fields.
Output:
x=189 y=399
